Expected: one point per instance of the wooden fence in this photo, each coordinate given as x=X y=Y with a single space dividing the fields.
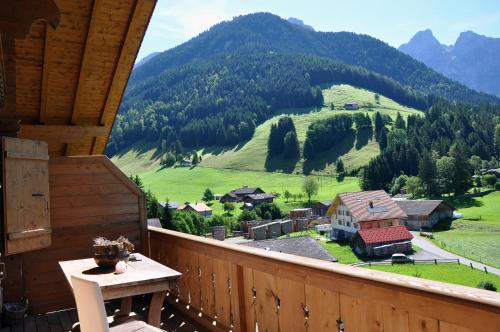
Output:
x=237 y=287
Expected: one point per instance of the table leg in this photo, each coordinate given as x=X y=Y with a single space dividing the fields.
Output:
x=125 y=308
x=154 y=315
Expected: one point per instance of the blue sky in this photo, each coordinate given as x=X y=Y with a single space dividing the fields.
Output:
x=395 y=22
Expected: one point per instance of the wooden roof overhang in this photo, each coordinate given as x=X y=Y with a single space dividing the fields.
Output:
x=68 y=62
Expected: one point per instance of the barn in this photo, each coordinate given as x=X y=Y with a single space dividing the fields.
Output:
x=424 y=214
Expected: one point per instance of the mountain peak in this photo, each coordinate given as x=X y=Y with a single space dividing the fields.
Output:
x=299 y=22
x=425 y=36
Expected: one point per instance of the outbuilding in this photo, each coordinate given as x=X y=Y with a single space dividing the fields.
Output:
x=382 y=242
x=422 y=214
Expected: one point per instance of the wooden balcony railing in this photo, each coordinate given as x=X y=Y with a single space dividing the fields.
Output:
x=239 y=288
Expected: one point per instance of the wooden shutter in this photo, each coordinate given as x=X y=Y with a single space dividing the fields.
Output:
x=26 y=195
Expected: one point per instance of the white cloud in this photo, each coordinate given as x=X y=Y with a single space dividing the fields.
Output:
x=188 y=18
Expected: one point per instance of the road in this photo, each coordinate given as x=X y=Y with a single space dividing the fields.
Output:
x=433 y=251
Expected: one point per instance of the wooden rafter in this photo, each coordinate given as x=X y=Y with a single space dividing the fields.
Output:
x=66 y=134
x=125 y=62
x=45 y=74
x=79 y=96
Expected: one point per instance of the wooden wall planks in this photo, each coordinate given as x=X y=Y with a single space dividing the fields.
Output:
x=363 y=300
x=77 y=216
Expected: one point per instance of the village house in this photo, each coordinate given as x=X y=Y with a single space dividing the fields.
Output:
x=424 y=213
x=382 y=242
x=351 y=212
x=253 y=200
x=237 y=195
x=321 y=208
x=351 y=106
x=200 y=208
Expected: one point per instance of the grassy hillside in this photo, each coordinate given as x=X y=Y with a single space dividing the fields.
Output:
x=355 y=150
x=446 y=272
x=477 y=235
x=184 y=184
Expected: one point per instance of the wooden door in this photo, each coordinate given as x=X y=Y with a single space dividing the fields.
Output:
x=26 y=195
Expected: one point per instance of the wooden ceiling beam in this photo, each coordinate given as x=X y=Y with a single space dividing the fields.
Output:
x=61 y=133
x=138 y=23
x=79 y=95
x=45 y=74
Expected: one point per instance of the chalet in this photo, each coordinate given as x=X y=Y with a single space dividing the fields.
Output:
x=200 y=208
x=351 y=106
x=320 y=208
x=256 y=199
x=64 y=66
x=424 y=213
x=381 y=242
x=237 y=195
x=351 y=212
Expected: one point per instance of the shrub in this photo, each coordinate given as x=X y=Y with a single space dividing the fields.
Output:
x=497 y=186
x=488 y=285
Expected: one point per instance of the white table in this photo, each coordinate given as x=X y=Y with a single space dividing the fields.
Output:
x=142 y=277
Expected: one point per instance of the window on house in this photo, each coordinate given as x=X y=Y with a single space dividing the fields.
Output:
x=347 y=213
x=348 y=224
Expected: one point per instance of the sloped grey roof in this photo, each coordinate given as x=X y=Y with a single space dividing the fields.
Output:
x=245 y=190
x=304 y=246
x=258 y=197
x=420 y=207
x=155 y=222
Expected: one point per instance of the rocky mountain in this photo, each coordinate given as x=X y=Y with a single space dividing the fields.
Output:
x=299 y=22
x=473 y=60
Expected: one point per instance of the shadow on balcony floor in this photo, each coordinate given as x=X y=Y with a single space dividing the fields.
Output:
x=67 y=320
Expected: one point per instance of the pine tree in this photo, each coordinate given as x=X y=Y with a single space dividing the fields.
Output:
x=462 y=169
x=272 y=146
x=399 y=123
x=427 y=173
x=340 y=167
x=382 y=141
x=195 y=159
x=496 y=140
x=291 y=146
x=379 y=124
x=308 y=150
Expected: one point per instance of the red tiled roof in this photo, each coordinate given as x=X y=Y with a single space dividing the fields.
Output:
x=385 y=234
x=384 y=206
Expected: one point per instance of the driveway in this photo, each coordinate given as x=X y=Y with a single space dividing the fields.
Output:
x=432 y=251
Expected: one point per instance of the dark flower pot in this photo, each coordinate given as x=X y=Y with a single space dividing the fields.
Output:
x=106 y=255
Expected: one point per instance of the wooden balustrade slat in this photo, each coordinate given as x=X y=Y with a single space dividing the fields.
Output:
x=249 y=302
x=323 y=308
x=422 y=324
x=237 y=298
x=360 y=315
x=395 y=320
x=292 y=299
x=265 y=306
x=207 y=290
x=194 y=280
x=222 y=297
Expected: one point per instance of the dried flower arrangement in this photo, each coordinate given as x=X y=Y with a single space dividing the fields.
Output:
x=108 y=252
x=122 y=243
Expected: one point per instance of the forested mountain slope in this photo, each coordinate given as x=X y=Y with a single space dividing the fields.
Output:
x=217 y=87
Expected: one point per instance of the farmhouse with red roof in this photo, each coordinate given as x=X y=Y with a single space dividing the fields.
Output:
x=351 y=212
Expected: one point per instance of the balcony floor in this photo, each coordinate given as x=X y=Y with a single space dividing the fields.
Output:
x=65 y=320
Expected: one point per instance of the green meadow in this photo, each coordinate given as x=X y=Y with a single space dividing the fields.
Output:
x=477 y=235
x=445 y=272
x=185 y=184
